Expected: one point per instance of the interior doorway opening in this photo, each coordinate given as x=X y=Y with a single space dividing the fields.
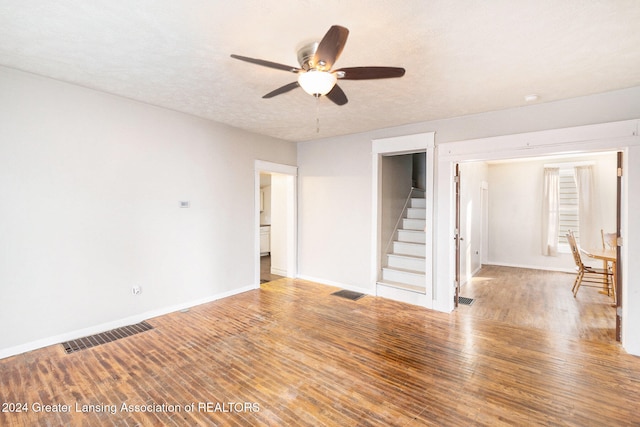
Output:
x=403 y=221
x=403 y=192
x=275 y=254
x=500 y=244
x=272 y=252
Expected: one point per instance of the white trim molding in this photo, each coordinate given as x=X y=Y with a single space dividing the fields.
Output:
x=264 y=166
x=579 y=139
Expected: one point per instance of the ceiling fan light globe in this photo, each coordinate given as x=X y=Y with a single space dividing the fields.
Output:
x=317 y=83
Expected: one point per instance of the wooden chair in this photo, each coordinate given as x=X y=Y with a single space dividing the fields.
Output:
x=584 y=272
x=609 y=240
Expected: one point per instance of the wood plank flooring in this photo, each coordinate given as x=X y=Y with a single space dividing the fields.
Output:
x=292 y=354
x=540 y=299
x=265 y=270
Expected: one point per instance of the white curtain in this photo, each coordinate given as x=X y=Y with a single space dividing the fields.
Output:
x=550 y=211
x=586 y=208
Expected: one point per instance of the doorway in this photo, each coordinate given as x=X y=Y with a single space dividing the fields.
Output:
x=502 y=268
x=619 y=136
x=272 y=202
x=275 y=221
x=400 y=227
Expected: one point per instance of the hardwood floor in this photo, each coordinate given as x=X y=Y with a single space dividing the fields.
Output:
x=265 y=270
x=292 y=354
x=540 y=299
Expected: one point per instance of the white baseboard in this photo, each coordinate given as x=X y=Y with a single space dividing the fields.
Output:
x=405 y=296
x=278 y=271
x=336 y=284
x=473 y=273
x=96 y=329
x=532 y=267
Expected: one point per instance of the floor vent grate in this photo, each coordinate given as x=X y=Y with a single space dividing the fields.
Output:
x=348 y=295
x=105 y=337
x=465 y=301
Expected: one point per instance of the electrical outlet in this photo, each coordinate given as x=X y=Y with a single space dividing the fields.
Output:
x=136 y=290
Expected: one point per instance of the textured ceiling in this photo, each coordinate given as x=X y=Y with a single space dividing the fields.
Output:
x=461 y=57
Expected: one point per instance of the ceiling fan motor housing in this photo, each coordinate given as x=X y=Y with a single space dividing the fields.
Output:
x=305 y=55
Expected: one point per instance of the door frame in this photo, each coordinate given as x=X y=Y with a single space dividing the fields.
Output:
x=619 y=271
x=484 y=223
x=456 y=236
x=291 y=172
x=616 y=136
x=416 y=143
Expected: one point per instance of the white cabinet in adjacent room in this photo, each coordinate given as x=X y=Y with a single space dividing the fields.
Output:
x=265 y=240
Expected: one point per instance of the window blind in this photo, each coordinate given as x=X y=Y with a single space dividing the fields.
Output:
x=568 y=211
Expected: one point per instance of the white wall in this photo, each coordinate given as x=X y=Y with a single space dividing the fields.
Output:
x=334 y=211
x=515 y=215
x=420 y=170
x=630 y=269
x=89 y=192
x=280 y=187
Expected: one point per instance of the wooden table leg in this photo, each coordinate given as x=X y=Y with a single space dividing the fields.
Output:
x=606 y=289
x=615 y=280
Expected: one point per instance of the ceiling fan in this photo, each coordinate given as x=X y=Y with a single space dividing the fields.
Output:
x=315 y=75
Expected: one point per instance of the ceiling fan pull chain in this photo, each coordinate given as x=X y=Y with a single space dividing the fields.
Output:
x=317 y=113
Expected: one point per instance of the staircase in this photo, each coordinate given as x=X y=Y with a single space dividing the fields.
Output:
x=405 y=263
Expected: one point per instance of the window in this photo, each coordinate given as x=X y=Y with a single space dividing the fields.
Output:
x=568 y=209
x=567 y=204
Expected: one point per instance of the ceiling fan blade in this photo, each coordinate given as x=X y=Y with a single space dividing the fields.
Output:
x=368 y=73
x=281 y=90
x=337 y=95
x=330 y=48
x=267 y=63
